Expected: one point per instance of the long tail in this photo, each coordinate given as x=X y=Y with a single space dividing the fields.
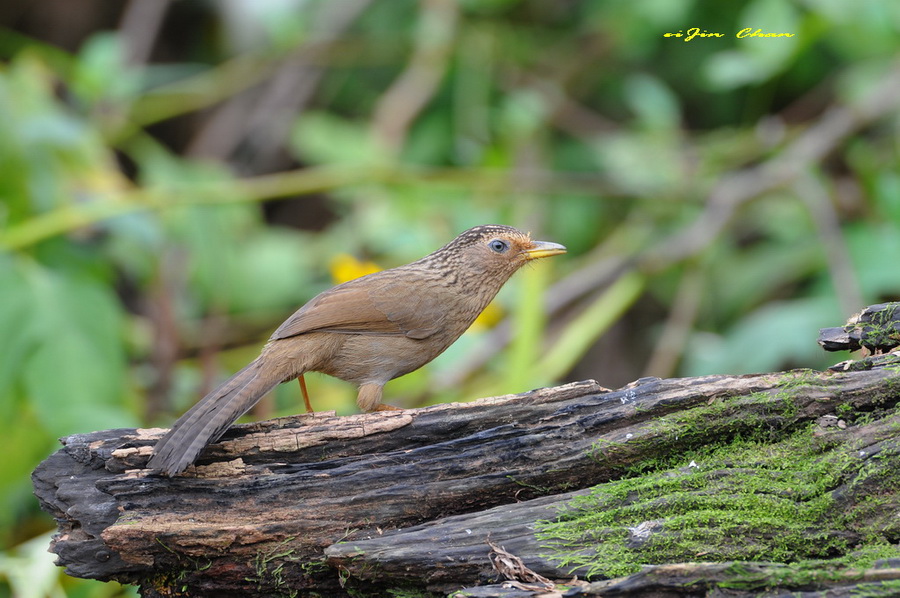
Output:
x=206 y=421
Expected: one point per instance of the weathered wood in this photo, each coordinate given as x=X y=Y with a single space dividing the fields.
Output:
x=452 y=551
x=877 y=328
x=447 y=551
x=257 y=514
x=733 y=579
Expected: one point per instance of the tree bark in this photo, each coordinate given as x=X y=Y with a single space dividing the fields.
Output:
x=375 y=502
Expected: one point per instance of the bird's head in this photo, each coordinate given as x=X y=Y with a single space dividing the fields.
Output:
x=498 y=249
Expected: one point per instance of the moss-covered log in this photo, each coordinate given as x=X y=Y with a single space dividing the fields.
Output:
x=826 y=494
x=574 y=477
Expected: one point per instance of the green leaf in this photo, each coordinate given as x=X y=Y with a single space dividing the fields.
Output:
x=272 y=272
x=100 y=72
x=74 y=376
x=16 y=311
x=874 y=249
x=654 y=104
x=757 y=58
x=776 y=336
x=327 y=139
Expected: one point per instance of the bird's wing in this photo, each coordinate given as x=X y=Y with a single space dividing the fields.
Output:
x=383 y=306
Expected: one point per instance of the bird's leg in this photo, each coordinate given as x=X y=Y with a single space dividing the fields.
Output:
x=302 y=382
x=369 y=399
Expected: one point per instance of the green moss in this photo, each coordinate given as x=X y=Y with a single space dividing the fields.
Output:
x=764 y=416
x=748 y=500
x=881 y=330
x=269 y=568
x=811 y=573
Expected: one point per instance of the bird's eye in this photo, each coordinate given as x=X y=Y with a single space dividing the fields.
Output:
x=498 y=245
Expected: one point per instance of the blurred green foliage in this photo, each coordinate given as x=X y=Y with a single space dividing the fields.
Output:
x=161 y=214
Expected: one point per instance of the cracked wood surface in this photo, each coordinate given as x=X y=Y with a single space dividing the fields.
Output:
x=274 y=506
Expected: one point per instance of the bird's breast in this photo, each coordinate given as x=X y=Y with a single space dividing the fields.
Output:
x=366 y=358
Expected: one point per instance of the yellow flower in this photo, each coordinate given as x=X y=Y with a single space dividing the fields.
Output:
x=489 y=318
x=345 y=267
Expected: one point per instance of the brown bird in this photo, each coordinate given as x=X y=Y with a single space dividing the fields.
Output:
x=366 y=331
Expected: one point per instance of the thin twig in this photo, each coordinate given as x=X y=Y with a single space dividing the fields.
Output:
x=413 y=89
x=140 y=25
x=817 y=198
x=669 y=348
x=260 y=119
x=735 y=189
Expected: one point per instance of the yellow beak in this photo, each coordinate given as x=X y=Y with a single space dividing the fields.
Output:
x=541 y=249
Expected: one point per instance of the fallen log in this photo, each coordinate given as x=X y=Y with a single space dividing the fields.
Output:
x=808 y=496
x=375 y=502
